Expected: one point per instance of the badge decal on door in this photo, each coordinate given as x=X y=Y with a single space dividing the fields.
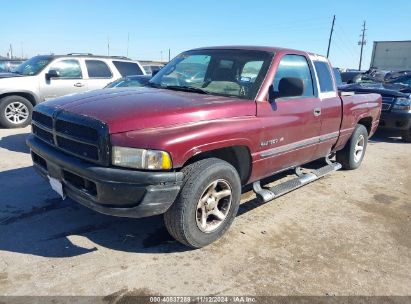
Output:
x=271 y=142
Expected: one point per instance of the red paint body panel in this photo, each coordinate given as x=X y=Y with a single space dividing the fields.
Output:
x=144 y=108
x=355 y=108
x=185 y=124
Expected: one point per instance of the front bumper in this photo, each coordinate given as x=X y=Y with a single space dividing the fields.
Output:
x=395 y=120
x=108 y=190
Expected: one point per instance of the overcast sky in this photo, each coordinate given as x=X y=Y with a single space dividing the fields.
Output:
x=153 y=27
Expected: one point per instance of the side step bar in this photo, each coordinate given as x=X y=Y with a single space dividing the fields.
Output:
x=302 y=179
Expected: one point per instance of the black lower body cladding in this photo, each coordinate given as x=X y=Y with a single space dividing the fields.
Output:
x=108 y=190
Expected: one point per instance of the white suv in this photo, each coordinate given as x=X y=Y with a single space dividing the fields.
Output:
x=49 y=76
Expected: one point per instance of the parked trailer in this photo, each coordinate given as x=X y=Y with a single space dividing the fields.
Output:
x=391 y=55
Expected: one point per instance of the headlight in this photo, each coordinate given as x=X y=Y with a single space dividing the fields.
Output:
x=402 y=104
x=140 y=158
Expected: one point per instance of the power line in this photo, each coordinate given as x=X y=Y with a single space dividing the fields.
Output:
x=348 y=39
x=347 y=47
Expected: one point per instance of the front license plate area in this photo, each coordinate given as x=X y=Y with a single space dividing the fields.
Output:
x=57 y=186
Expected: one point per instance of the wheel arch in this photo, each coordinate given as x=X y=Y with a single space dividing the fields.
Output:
x=366 y=122
x=238 y=156
x=30 y=96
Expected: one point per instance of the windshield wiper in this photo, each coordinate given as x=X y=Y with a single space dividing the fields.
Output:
x=186 y=89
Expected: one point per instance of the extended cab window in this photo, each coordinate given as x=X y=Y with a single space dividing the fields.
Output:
x=69 y=68
x=324 y=76
x=294 y=66
x=128 y=68
x=97 y=69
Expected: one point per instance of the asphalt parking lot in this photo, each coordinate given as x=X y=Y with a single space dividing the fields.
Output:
x=346 y=234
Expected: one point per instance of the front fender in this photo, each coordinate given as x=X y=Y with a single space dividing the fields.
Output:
x=186 y=141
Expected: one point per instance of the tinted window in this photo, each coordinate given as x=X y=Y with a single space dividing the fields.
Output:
x=295 y=66
x=337 y=76
x=347 y=77
x=97 y=69
x=324 y=76
x=404 y=81
x=128 y=68
x=69 y=68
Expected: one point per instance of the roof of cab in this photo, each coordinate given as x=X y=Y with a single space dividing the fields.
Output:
x=270 y=49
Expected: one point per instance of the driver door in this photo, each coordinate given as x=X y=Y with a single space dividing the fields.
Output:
x=290 y=122
x=70 y=79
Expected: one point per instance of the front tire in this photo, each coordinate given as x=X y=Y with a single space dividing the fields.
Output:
x=15 y=112
x=351 y=156
x=207 y=203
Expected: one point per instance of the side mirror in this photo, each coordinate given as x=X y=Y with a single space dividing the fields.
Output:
x=290 y=87
x=52 y=74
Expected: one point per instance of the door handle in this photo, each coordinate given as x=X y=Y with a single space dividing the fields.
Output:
x=317 y=111
x=79 y=84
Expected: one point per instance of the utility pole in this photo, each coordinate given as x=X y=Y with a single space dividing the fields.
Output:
x=362 y=42
x=169 y=55
x=331 y=35
x=128 y=42
x=108 y=46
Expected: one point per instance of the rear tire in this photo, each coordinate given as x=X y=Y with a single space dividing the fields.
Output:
x=207 y=203
x=351 y=156
x=406 y=136
x=15 y=112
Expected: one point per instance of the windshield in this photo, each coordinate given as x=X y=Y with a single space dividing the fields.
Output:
x=3 y=66
x=33 y=66
x=128 y=82
x=237 y=73
x=402 y=80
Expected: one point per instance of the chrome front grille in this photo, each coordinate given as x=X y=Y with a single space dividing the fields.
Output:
x=77 y=135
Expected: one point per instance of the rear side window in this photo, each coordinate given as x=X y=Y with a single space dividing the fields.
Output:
x=128 y=68
x=97 y=69
x=324 y=76
x=295 y=66
x=337 y=76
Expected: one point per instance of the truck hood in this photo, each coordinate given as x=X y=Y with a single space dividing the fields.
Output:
x=126 y=109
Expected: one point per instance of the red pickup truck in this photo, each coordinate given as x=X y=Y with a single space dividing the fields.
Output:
x=210 y=122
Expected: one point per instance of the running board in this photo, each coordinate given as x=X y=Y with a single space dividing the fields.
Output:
x=303 y=179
